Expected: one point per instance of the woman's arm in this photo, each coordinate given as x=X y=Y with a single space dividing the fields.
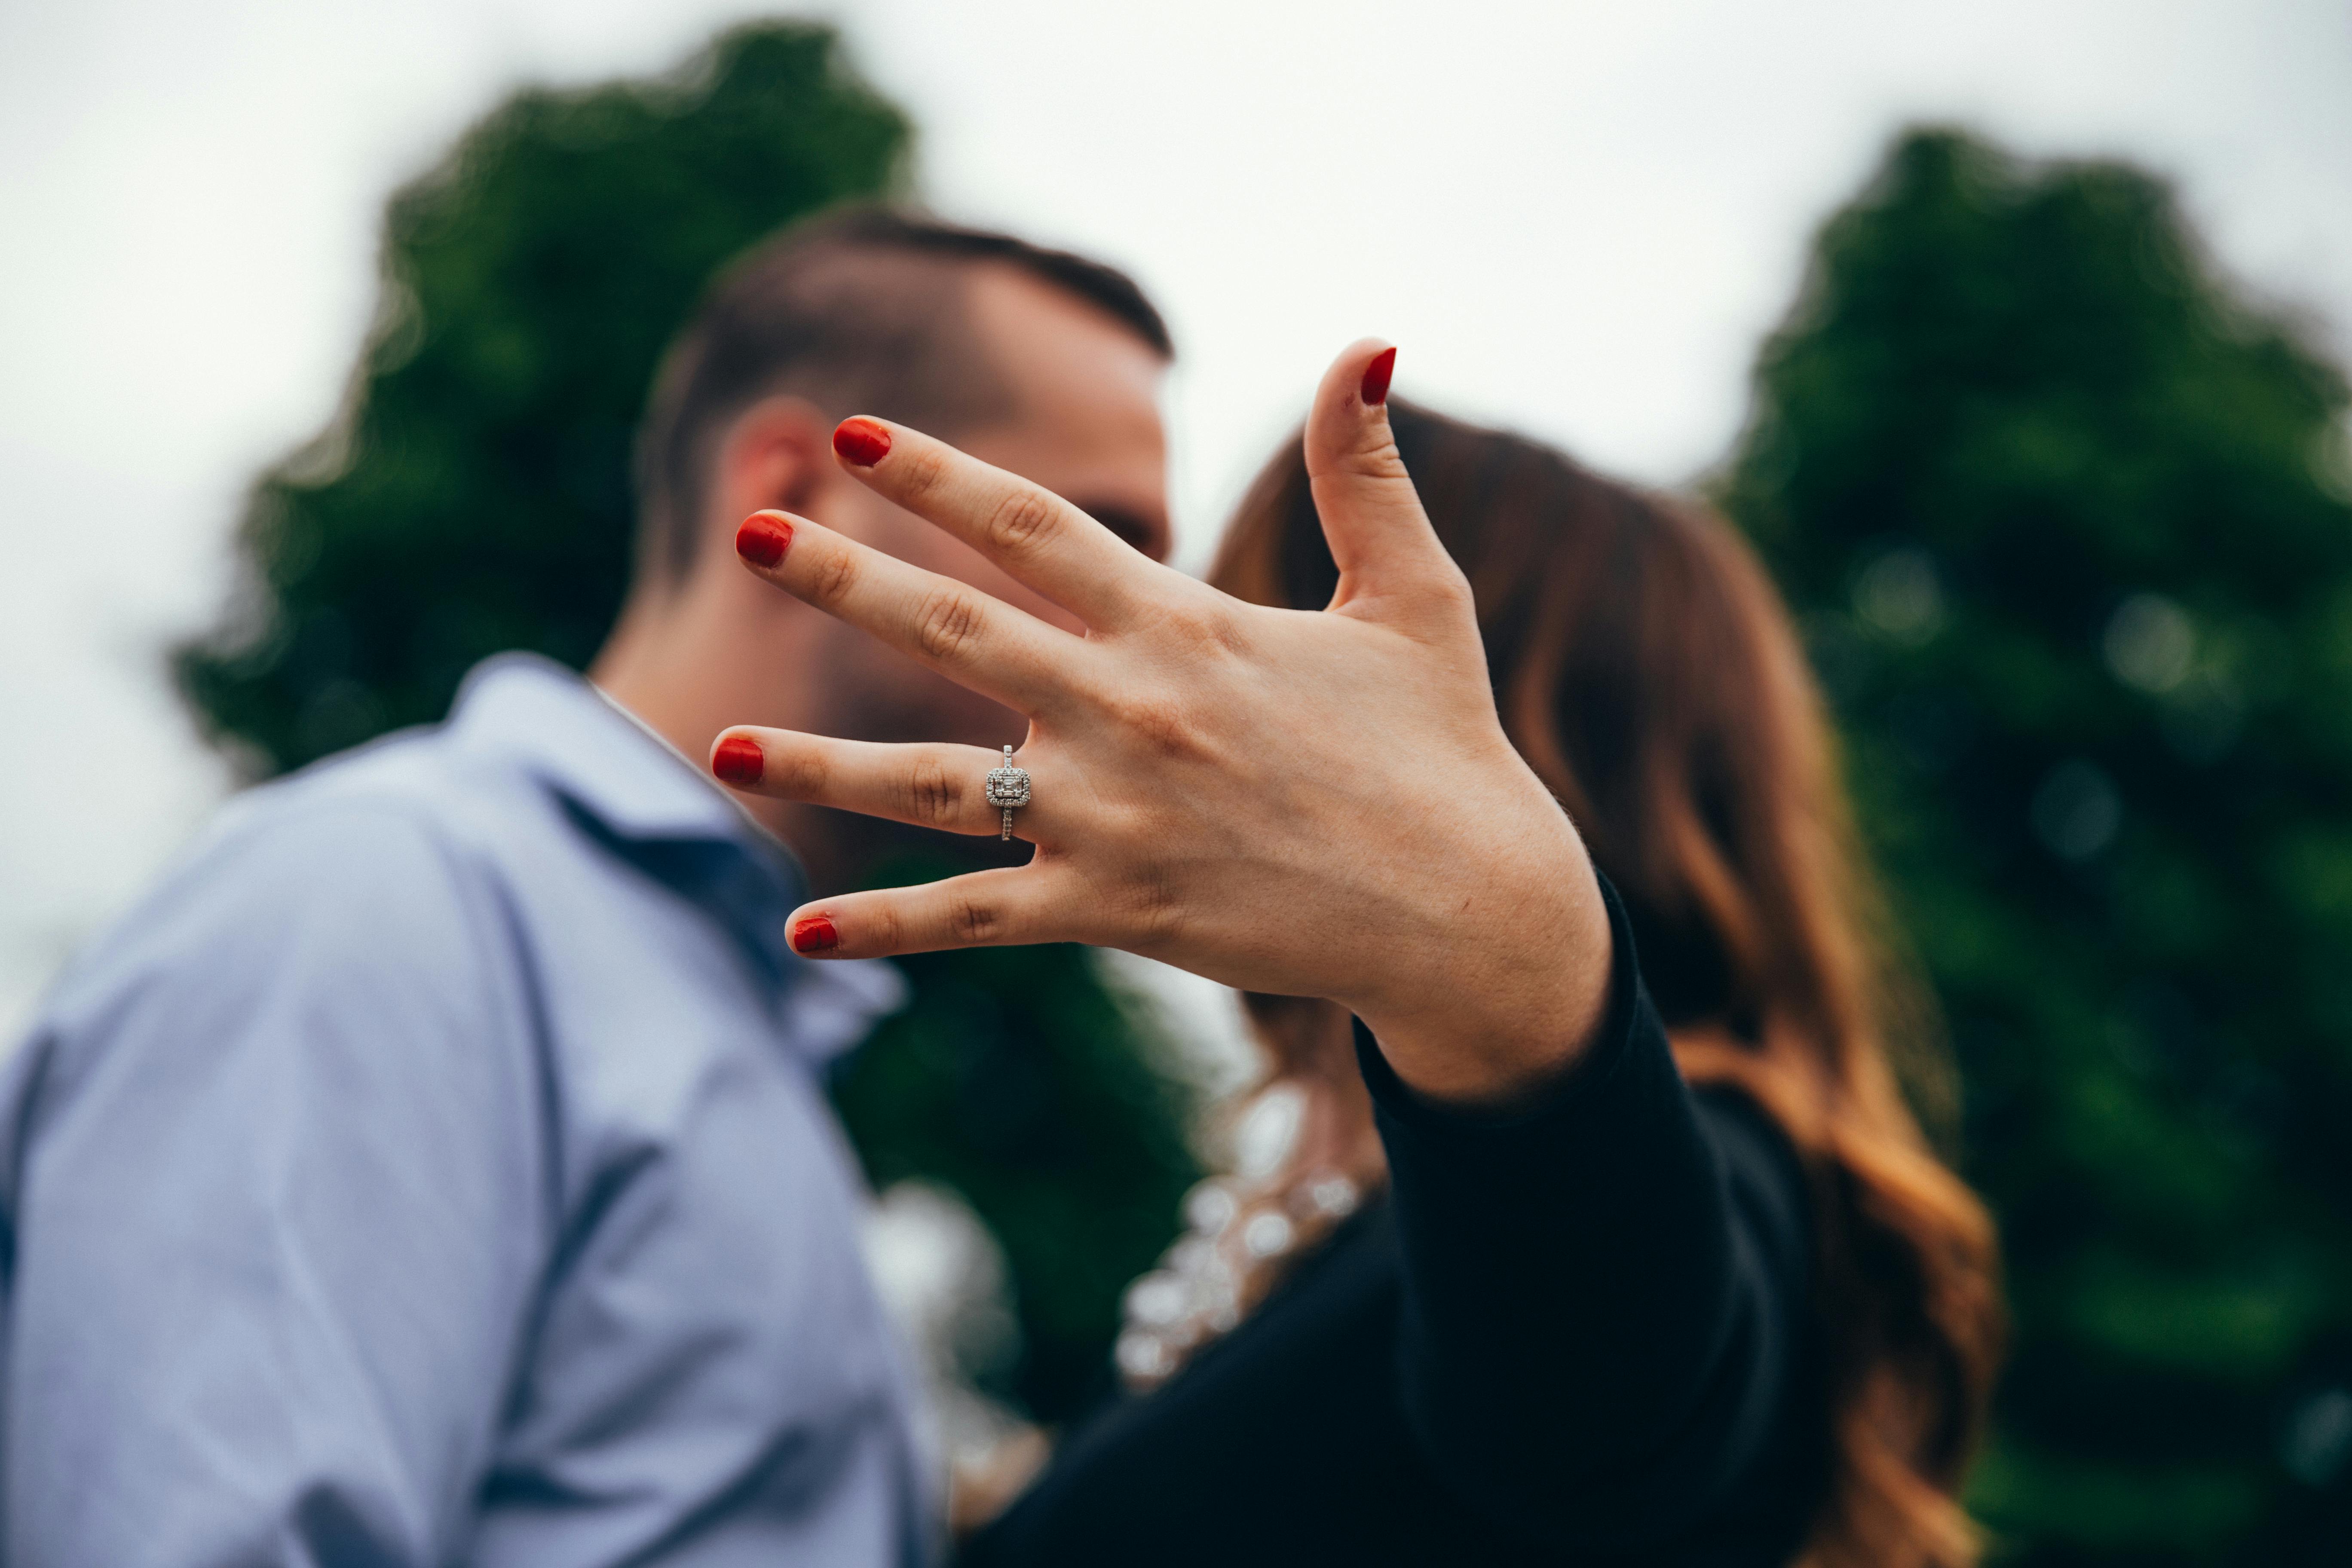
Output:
x=1604 y=1332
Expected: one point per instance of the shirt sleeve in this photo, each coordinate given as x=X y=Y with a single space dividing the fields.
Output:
x=275 y=1201
x=1604 y=1296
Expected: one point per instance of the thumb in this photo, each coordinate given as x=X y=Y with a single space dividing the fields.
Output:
x=1373 y=518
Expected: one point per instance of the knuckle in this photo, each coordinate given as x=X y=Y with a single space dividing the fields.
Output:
x=1449 y=589
x=1202 y=629
x=1155 y=909
x=946 y=623
x=1452 y=595
x=935 y=794
x=1379 y=461
x=973 y=920
x=1165 y=724
x=799 y=774
x=1018 y=522
x=924 y=475
x=835 y=575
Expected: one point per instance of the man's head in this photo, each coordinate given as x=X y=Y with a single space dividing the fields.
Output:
x=1039 y=361
x=871 y=312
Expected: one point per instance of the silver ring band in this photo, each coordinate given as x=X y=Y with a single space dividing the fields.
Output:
x=1008 y=787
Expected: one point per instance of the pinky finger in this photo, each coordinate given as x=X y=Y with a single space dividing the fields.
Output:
x=999 y=908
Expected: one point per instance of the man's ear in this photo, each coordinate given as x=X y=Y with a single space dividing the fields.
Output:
x=777 y=453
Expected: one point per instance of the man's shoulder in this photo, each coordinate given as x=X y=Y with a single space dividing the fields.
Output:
x=389 y=856
x=408 y=807
x=419 y=784
x=349 y=909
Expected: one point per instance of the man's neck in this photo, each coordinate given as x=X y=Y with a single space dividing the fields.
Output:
x=689 y=665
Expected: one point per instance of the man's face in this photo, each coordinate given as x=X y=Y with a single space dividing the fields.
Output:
x=1083 y=420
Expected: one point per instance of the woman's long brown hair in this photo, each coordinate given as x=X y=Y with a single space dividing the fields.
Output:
x=1647 y=668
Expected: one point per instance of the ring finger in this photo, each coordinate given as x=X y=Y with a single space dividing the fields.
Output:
x=930 y=785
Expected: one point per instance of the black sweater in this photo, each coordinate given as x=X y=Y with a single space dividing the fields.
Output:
x=1577 y=1334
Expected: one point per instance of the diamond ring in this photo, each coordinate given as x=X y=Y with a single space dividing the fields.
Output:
x=1008 y=786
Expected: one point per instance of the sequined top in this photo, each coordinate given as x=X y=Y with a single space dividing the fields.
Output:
x=1575 y=1334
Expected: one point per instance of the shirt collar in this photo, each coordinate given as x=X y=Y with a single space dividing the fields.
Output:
x=640 y=790
x=601 y=757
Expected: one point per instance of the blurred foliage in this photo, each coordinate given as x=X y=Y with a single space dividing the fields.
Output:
x=2067 y=523
x=473 y=494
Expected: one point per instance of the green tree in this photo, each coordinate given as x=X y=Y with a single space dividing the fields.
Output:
x=473 y=494
x=2067 y=523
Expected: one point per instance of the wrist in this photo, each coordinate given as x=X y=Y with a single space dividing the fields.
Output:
x=1506 y=1013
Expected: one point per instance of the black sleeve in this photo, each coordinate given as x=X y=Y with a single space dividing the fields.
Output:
x=1604 y=1297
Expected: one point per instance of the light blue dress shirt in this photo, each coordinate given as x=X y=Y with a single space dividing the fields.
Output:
x=435 y=1170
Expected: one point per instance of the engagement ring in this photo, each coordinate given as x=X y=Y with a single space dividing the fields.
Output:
x=1008 y=786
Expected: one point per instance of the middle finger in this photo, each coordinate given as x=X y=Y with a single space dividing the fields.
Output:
x=972 y=638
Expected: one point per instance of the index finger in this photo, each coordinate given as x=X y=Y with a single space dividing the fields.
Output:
x=976 y=640
x=1036 y=536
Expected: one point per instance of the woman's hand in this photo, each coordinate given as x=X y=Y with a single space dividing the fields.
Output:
x=1314 y=804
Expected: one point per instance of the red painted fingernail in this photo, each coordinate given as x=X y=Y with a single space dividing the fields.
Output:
x=862 y=441
x=1376 y=378
x=763 y=539
x=815 y=934
x=738 y=761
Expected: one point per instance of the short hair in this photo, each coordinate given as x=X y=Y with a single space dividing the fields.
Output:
x=863 y=310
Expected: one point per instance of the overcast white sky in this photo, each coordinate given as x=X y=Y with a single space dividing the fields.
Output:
x=1576 y=219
